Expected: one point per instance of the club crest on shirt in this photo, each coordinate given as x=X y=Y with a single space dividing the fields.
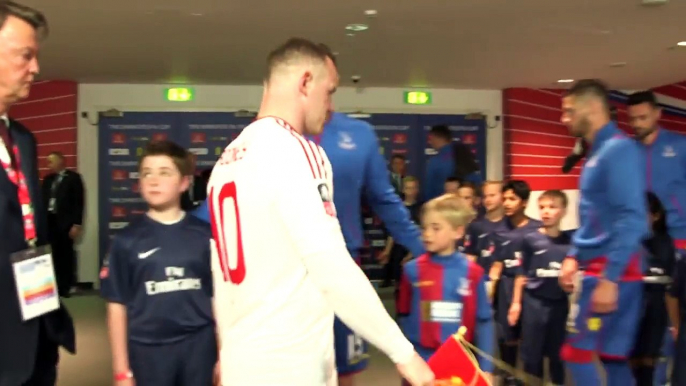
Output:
x=327 y=199
x=463 y=289
x=345 y=141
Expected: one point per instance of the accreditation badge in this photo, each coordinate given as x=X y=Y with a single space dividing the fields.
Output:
x=34 y=276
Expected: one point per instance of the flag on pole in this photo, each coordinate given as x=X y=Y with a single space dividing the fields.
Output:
x=453 y=365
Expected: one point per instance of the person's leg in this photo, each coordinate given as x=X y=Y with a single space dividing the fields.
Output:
x=154 y=365
x=666 y=356
x=555 y=337
x=534 y=323
x=619 y=333
x=580 y=348
x=200 y=358
x=351 y=353
x=47 y=358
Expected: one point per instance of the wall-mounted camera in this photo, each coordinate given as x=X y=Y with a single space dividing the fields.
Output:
x=356 y=79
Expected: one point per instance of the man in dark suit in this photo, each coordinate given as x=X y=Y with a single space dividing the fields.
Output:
x=398 y=167
x=28 y=349
x=63 y=196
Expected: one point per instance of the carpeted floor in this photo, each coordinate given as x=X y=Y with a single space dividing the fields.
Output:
x=91 y=366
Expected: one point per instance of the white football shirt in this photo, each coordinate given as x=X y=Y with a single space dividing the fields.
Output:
x=280 y=265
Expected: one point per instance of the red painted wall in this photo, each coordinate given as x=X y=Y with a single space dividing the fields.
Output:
x=50 y=113
x=536 y=143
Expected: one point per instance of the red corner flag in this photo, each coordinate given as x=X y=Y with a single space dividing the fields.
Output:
x=453 y=365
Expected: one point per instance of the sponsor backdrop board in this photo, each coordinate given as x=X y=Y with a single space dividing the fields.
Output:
x=122 y=140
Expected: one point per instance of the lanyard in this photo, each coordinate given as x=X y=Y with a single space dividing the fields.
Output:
x=14 y=173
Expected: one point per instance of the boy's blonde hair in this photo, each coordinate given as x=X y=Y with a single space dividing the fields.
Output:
x=452 y=209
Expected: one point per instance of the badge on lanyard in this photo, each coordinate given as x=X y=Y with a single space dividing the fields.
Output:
x=34 y=277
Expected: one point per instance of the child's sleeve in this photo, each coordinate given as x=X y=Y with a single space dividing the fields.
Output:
x=115 y=273
x=471 y=241
x=404 y=296
x=485 y=339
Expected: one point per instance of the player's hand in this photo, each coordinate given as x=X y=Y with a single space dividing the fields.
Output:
x=569 y=268
x=217 y=380
x=604 y=297
x=513 y=313
x=416 y=372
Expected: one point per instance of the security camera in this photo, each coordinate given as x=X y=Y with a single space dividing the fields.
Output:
x=355 y=79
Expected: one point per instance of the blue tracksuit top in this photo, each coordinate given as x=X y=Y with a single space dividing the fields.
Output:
x=438 y=169
x=359 y=168
x=665 y=170
x=613 y=218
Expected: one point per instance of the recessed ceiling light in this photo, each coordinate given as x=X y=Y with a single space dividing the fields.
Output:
x=196 y=14
x=350 y=34
x=370 y=13
x=335 y=53
x=681 y=44
x=356 y=27
x=618 y=64
x=565 y=81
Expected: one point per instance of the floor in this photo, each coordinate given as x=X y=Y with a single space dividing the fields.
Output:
x=91 y=366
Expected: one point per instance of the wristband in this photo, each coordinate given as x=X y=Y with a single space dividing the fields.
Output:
x=124 y=375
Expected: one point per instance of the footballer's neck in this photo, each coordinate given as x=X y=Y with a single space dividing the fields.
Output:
x=519 y=219
x=166 y=215
x=279 y=104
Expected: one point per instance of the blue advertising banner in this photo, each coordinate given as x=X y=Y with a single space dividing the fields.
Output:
x=206 y=134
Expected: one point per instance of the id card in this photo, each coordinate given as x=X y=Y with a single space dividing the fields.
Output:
x=34 y=276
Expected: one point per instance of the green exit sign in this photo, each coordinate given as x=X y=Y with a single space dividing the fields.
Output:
x=179 y=94
x=417 y=97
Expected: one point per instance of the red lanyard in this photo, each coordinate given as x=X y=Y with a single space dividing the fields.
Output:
x=17 y=178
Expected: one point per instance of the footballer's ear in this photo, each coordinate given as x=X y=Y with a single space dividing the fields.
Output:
x=305 y=82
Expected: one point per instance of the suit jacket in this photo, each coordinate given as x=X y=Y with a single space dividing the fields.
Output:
x=18 y=339
x=68 y=197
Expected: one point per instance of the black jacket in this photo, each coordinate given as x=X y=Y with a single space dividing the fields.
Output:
x=68 y=196
x=18 y=339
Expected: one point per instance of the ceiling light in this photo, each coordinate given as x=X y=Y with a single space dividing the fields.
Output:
x=681 y=44
x=335 y=53
x=370 y=13
x=618 y=64
x=196 y=14
x=565 y=81
x=357 y=27
x=350 y=34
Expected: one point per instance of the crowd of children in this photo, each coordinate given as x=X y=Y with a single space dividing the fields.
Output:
x=488 y=267
x=484 y=236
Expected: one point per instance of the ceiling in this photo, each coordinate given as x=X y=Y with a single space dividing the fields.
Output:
x=476 y=44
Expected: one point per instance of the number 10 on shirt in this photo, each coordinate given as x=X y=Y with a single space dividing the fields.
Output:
x=226 y=231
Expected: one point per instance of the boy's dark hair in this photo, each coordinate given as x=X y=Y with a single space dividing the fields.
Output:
x=642 y=97
x=441 y=131
x=656 y=208
x=33 y=17
x=179 y=155
x=469 y=185
x=520 y=188
x=453 y=179
x=591 y=88
x=555 y=193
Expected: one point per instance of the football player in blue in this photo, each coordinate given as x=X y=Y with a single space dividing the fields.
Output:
x=503 y=272
x=665 y=168
x=607 y=249
x=538 y=298
x=157 y=282
x=359 y=170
